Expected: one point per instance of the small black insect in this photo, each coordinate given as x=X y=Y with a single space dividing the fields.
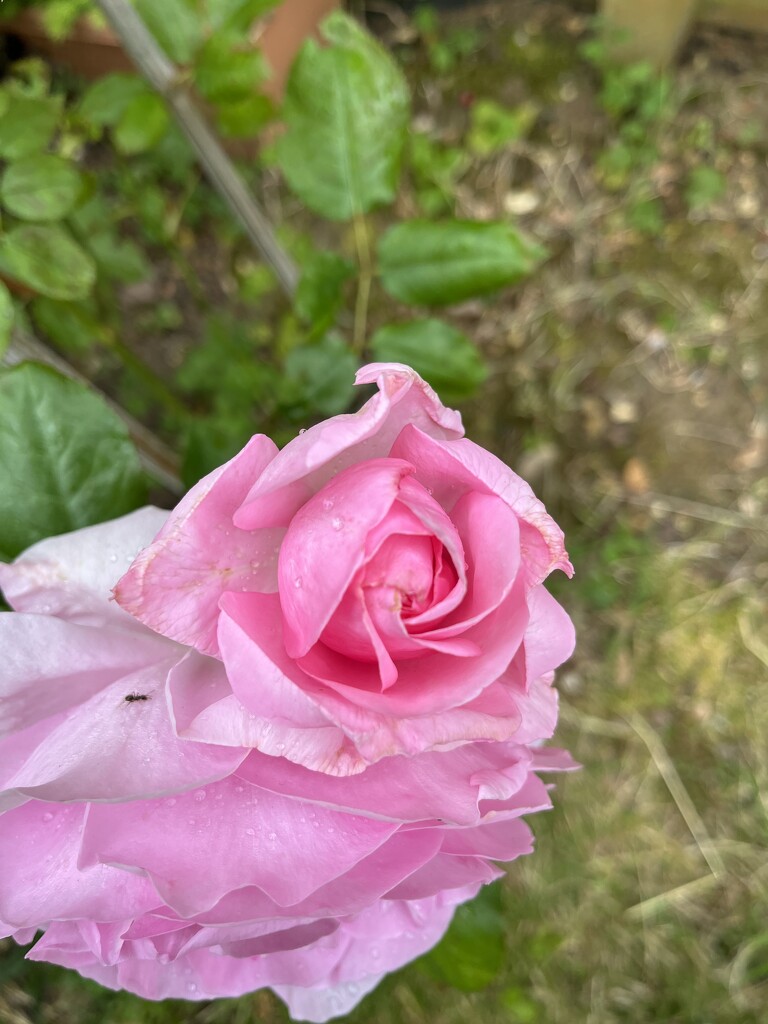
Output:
x=132 y=697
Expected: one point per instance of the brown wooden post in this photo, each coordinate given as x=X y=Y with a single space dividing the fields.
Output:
x=647 y=29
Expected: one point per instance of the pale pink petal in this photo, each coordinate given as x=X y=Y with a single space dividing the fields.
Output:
x=374 y=876
x=443 y=873
x=452 y=468
x=205 y=709
x=72 y=576
x=550 y=637
x=442 y=784
x=309 y=461
x=174 y=586
x=49 y=665
x=40 y=881
x=110 y=748
x=267 y=842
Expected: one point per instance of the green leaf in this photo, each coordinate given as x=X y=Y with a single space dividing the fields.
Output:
x=118 y=258
x=59 y=16
x=175 y=24
x=244 y=119
x=320 y=377
x=66 y=460
x=47 y=260
x=40 y=188
x=70 y=325
x=320 y=291
x=105 y=102
x=495 y=126
x=472 y=952
x=437 y=264
x=225 y=70
x=142 y=124
x=442 y=354
x=6 y=318
x=27 y=124
x=238 y=14
x=346 y=113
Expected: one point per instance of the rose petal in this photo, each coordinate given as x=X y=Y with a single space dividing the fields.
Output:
x=40 y=881
x=174 y=586
x=452 y=468
x=50 y=665
x=309 y=461
x=325 y=546
x=440 y=784
x=267 y=842
x=72 y=576
x=204 y=708
x=110 y=748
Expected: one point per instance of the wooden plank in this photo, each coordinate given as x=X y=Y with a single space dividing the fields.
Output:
x=647 y=29
x=745 y=14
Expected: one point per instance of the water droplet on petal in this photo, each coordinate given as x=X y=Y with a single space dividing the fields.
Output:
x=47 y=816
x=303 y=430
x=170 y=802
x=327 y=504
x=298 y=583
x=113 y=558
x=164 y=958
x=200 y=794
x=191 y=986
x=250 y=831
x=272 y=836
x=337 y=523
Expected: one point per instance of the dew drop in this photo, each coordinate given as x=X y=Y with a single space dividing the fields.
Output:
x=47 y=816
x=281 y=746
x=200 y=794
x=337 y=523
x=170 y=802
x=303 y=430
x=164 y=958
x=330 y=831
x=298 y=583
x=113 y=558
x=239 y=789
x=191 y=986
x=327 y=504
x=375 y=952
x=250 y=831
x=272 y=836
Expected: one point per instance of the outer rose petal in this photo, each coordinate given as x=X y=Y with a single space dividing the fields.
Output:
x=311 y=459
x=265 y=843
x=174 y=585
x=113 y=749
x=40 y=881
x=439 y=784
x=72 y=576
x=49 y=665
x=451 y=468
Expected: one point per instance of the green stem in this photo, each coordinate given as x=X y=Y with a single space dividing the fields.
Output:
x=364 y=282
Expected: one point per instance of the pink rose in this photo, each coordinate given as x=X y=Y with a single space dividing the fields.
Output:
x=174 y=865
x=373 y=589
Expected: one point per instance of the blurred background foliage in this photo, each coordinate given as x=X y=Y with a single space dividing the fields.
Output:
x=575 y=252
